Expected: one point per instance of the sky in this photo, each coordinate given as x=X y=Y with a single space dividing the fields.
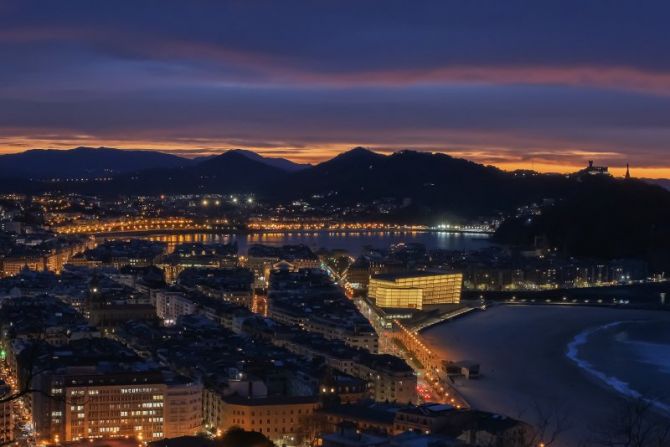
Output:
x=545 y=85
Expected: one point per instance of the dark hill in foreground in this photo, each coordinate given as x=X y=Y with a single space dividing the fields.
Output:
x=602 y=218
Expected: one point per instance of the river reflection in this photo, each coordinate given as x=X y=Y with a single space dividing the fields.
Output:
x=351 y=241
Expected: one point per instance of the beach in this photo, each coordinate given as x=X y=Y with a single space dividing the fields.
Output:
x=526 y=363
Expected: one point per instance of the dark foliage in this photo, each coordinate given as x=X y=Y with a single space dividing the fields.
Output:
x=603 y=218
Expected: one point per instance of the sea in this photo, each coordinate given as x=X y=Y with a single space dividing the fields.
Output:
x=631 y=357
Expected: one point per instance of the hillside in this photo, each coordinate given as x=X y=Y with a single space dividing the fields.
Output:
x=83 y=162
x=86 y=162
x=582 y=215
x=230 y=172
x=603 y=218
x=428 y=183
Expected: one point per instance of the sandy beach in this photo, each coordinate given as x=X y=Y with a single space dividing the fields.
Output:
x=522 y=351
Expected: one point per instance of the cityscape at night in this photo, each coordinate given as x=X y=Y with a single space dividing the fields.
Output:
x=436 y=223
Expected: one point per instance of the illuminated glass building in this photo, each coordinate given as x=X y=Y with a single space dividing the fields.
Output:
x=415 y=289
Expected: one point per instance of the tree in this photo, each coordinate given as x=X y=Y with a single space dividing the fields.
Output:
x=634 y=424
x=237 y=437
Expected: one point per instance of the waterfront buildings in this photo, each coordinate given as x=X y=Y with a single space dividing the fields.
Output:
x=262 y=259
x=500 y=269
x=415 y=289
x=119 y=253
x=196 y=255
x=43 y=252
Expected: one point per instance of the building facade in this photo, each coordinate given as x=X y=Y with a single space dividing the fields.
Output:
x=140 y=406
x=415 y=290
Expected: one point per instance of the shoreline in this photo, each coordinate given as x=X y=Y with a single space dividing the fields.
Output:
x=524 y=362
x=243 y=232
x=612 y=382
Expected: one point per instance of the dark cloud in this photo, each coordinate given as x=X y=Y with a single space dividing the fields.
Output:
x=550 y=81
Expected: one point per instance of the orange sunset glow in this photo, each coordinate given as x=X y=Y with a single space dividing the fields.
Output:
x=319 y=153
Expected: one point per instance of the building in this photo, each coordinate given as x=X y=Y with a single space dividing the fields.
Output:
x=196 y=255
x=14 y=265
x=283 y=419
x=263 y=258
x=593 y=169
x=358 y=276
x=435 y=424
x=6 y=416
x=415 y=289
x=108 y=308
x=228 y=284
x=389 y=378
x=119 y=253
x=97 y=389
x=172 y=304
x=45 y=253
x=348 y=435
x=308 y=298
x=182 y=409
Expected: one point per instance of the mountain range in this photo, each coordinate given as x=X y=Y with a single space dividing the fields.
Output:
x=87 y=162
x=588 y=215
x=427 y=184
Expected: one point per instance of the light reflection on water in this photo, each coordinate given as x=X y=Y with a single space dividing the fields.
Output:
x=351 y=241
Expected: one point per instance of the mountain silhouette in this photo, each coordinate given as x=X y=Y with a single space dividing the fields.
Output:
x=580 y=214
x=83 y=162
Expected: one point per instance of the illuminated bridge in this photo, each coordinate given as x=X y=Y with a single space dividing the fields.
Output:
x=146 y=225
x=184 y=224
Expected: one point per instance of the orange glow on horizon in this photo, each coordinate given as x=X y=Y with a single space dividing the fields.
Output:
x=316 y=153
x=616 y=171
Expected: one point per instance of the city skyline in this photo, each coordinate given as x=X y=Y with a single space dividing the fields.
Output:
x=379 y=223
x=544 y=87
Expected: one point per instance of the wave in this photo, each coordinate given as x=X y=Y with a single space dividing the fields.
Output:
x=657 y=354
x=613 y=382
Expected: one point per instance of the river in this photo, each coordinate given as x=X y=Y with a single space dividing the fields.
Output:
x=351 y=241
